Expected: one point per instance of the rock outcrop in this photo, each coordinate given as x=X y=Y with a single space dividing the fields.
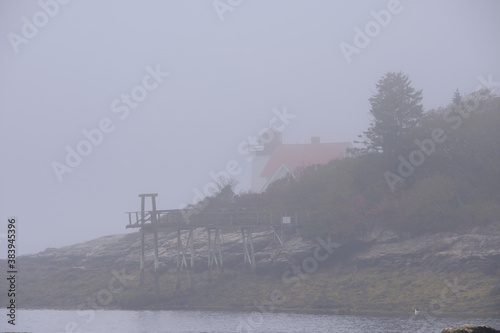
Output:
x=476 y=249
x=124 y=250
x=468 y=328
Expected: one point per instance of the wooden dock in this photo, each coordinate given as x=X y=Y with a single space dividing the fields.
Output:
x=214 y=221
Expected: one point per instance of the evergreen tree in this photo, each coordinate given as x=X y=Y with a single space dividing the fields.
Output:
x=396 y=110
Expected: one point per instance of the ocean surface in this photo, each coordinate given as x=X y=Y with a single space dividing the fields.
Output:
x=54 y=321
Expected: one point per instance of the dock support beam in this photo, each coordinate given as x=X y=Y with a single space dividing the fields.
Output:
x=181 y=256
x=154 y=221
x=249 y=254
x=279 y=234
x=214 y=250
x=152 y=217
x=142 y=256
x=156 y=264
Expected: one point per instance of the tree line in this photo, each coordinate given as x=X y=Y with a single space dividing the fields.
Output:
x=413 y=171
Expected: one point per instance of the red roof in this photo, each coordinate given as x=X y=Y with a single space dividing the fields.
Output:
x=302 y=155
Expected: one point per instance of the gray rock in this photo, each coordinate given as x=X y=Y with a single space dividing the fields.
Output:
x=444 y=251
x=468 y=328
x=441 y=251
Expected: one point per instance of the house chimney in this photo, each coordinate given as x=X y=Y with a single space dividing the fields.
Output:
x=315 y=140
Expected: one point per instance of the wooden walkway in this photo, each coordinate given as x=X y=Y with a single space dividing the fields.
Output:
x=178 y=218
x=184 y=221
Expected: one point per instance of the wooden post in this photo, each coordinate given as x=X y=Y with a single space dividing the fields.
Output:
x=245 y=249
x=142 y=256
x=191 y=247
x=156 y=264
x=209 y=255
x=248 y=247
x=179 y=247
x=154 y=222
x=143 y=217
x=217 y=236
x=251 y=249
x=152 y=216
x=181 y=256
x=276 y=234
x=209 y=249
x=214 y=250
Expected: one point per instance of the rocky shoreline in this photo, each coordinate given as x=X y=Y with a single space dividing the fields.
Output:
x=381 y=273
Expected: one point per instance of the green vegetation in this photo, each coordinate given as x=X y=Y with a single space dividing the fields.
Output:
x=415 y=172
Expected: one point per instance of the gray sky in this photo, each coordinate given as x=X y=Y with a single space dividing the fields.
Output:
x=68 y=68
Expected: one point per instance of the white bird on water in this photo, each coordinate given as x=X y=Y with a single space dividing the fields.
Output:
x=416 y=312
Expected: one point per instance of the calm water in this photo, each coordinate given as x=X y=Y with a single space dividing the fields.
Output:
x=52 y=321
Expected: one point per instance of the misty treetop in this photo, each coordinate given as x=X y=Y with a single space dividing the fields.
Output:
x=396 y=110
